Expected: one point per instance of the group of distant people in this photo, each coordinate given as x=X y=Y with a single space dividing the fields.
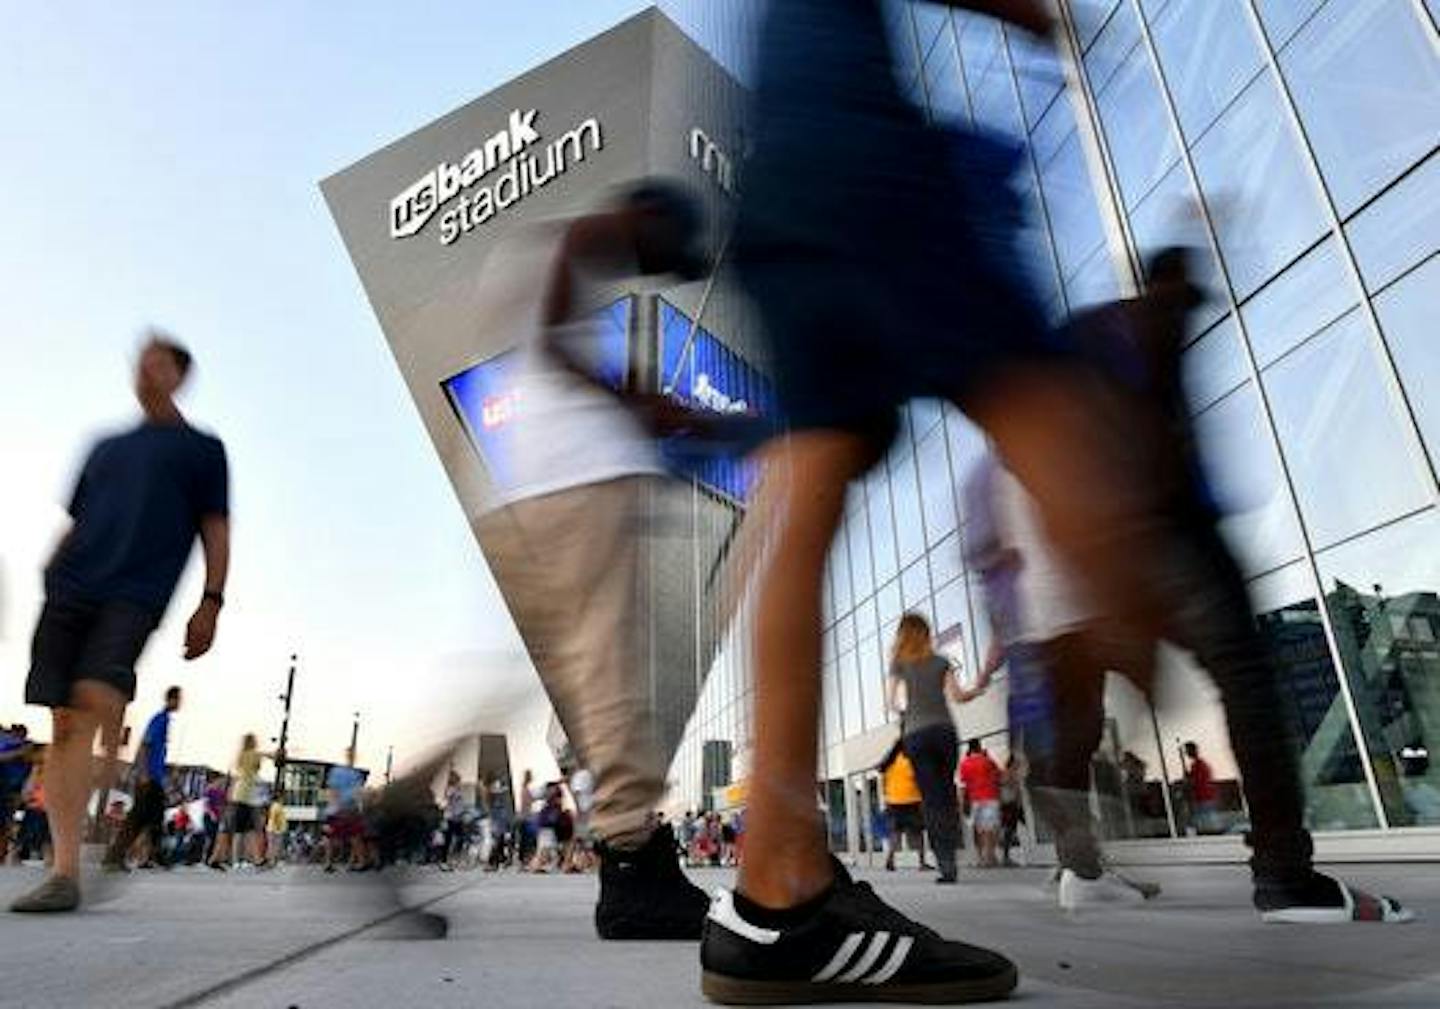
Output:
x=711 y=839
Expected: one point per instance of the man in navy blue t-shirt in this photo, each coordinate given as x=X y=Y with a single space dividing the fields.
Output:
x=142 y=498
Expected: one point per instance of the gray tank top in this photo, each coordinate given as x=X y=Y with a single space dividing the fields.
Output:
x=924 y=681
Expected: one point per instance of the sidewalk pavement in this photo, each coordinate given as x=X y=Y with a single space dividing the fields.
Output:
x=298 y=939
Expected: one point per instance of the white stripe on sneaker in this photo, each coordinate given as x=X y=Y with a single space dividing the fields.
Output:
x=867 y=960
x=841 y=958
x=723 y=913
x=897 y=958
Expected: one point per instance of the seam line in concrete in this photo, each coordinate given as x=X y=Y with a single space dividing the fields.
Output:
x=253 y=974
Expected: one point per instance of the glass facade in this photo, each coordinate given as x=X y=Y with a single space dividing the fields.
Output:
x=1293 y=144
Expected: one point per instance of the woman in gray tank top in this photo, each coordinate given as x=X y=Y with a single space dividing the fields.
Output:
x=927 y=732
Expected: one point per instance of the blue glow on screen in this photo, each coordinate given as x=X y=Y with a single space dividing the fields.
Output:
x=486 y=400
x=710 y=376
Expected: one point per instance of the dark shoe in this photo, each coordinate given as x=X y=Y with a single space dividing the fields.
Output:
x=856 y=948
x=947 y=879
x=1322 y=900
x=645 y=895
x=57 y=893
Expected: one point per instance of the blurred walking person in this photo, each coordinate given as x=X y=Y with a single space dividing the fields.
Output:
x=142 y=498
x=567 y=533
x=921 y=687
x=146 y=819
x=1012 y=808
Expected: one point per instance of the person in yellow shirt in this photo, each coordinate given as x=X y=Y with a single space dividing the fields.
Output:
x=276 y=823
x=903 y=806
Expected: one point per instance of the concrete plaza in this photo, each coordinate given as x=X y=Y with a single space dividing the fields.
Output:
x=299 y=938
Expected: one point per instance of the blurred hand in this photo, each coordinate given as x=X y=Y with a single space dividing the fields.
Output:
x=200 y=631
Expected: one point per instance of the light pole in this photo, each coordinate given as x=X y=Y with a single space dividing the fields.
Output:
x=284 y=739
x=389 y=762
x=354 y=737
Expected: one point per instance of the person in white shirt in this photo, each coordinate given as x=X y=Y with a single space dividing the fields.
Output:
x=1058 y=648
x=568 y=522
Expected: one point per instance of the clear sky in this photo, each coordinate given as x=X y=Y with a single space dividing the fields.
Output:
x=159 y=163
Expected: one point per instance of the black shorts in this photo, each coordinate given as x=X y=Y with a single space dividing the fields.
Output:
x=241 y=818
x=77 y=641
x=148 y=813
x=907 y=818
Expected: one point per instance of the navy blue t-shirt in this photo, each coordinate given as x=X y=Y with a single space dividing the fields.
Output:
x=137 y=509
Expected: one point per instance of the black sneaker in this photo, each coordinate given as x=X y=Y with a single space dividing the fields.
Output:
x=856 y=948
x=645 y=895
x=1323 y=900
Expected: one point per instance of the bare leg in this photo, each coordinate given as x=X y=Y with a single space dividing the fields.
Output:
x=68 y=766
x=803 y=498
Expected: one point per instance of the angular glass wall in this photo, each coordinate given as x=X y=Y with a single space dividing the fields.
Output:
x=1293 y=145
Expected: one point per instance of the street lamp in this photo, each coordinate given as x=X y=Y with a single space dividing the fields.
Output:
x=354 y=737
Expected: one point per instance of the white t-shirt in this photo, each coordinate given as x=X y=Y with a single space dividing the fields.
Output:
x=565 y=432
x=1044 y=600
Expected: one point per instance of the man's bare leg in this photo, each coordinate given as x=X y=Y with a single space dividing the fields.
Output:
x=70 y=764
x=802 y=498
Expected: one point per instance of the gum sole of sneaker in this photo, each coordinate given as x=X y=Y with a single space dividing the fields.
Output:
x=737 y=991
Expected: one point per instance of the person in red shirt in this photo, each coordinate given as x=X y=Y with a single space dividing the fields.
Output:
x=1204 y=796
x=981 y=777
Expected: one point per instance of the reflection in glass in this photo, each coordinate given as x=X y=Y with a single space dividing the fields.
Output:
x=851 y=707
x=1129 y=775
x=1283 y=18
x=888 y=607
x=857 y=532
x=967 y=444
x=909 y=524
x=930 y=20
x=882 y=525
x=1261 y=196
x=945 y=89
x=1366 y=80
x=1209 y=53
x=1399 y=229
x=1214 y=365
x=1137 y=126
x=1352 y=457
x=915 y=586
x=1037 y=73
x=946 y=563
x=1187 y=709
x=1070 y=199
x=1171 y=215
x=1247 y=483
x=1383 y=593
x=1094 y=283
x=1337 y=797
x=1120 y=35
x=872 y=682
x=1090 y=17
x=1309 y=295
x=1408 y=313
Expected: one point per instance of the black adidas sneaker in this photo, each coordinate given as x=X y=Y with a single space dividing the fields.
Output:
x=856 y=948
x=645 y=895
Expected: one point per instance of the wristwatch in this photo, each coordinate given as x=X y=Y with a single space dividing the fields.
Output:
x=218 y=598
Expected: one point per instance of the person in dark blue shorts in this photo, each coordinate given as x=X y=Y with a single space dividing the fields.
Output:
x=880 y=254
x=142 y=499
